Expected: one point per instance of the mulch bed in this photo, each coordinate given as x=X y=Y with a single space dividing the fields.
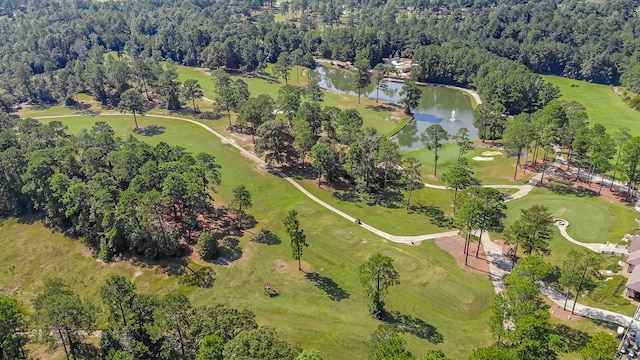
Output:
x=454 y=245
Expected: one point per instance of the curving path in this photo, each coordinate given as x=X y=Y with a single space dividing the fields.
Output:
x=499 y=264
x=597 y=247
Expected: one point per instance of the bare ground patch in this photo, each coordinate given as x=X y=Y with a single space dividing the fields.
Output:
x=454 y=245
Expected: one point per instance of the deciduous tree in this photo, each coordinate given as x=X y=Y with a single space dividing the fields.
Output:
x=601 y=346
x=325 y=160
x=13 y=323
x=385 y=343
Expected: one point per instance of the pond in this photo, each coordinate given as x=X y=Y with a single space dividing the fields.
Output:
x=439 y=105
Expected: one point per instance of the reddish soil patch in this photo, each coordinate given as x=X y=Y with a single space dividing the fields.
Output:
x=454 y=245
x=613 y=196
x=564 y=315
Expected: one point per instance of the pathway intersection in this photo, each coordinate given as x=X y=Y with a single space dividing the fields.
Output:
x=499 y=264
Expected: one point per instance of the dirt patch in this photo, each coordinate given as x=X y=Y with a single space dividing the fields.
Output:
x=565 y=315
x=593 y=189
x=281 y=265
x=454 y=245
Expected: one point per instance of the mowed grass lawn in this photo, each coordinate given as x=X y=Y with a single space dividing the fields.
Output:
x=602 y=104
x=591 y=219
x=497 y=171
x=435 y=296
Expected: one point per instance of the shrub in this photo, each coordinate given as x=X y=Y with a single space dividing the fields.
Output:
x=207 y=246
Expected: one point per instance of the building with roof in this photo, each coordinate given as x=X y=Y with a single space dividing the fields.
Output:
x=633 y=284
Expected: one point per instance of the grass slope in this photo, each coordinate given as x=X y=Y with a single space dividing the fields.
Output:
x=603 y=105
x=436 y=298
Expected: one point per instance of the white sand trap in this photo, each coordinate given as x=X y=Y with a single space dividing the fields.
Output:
x=482 y=158
x=492 y=153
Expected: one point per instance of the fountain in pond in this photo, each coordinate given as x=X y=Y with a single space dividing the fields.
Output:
x=453 y=115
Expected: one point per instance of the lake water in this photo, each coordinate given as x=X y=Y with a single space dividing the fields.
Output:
x=436 y=105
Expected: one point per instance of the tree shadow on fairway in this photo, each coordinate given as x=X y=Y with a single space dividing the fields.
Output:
x=203 y=277
x=266 y=237
x=567 y=188
x=414 y=326
x=330 y=287
x=574 y=339
x=385 y=107
x=436 y=215
x=150 y=130
x=230 y=248
x=348 y=196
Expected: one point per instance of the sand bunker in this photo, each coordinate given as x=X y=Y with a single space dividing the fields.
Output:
x=492 y=153
x=482 y=158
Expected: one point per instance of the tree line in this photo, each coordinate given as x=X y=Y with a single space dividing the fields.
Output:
x=139 y=326
x=565 y=124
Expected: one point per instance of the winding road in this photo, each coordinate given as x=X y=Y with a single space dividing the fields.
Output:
x=499 y=264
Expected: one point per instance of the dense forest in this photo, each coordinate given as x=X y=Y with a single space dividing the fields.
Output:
x=120 y=195
x=591 y=41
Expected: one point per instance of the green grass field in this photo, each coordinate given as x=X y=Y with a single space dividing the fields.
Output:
x=591 y=219
x=498 y=171
x=603 y=105
x=435 y=296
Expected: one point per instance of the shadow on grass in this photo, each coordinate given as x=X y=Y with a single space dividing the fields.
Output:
x=150 y=130
x=330 y=287
x=90 y=112
x=574 y=339
x=28 y=219
x=414 y=326
x=170 y=266
x=230 y=248
x=348 y=196
x=203 y=277
x=299 y=173
x=266 y=237
x=435 y=215
x=567 y=188
x=385 y=107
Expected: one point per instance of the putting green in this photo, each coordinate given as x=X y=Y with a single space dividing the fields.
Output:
x=592 y=219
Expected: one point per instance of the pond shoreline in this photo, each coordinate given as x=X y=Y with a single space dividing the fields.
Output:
x=399 y=79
